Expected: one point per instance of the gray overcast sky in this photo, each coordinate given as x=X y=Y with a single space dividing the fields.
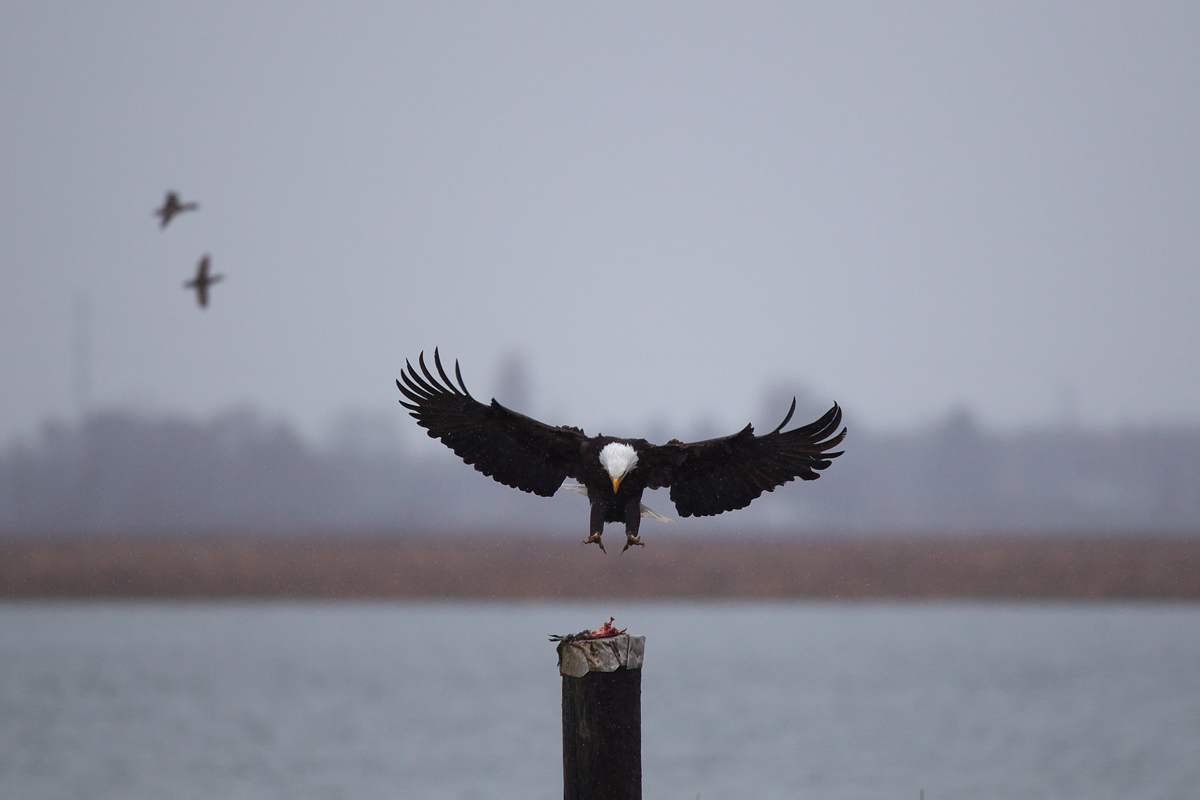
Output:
x=664 y=208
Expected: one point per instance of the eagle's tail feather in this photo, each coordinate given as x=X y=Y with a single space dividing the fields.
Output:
x=650 y=513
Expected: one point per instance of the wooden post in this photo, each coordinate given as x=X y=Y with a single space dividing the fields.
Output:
x=602 y=718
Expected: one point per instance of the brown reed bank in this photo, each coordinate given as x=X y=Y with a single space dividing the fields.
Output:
x=497 y=566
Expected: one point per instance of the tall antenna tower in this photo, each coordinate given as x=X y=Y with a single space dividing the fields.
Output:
x=81 y=352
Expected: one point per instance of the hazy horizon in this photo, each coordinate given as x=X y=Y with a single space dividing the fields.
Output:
x=396 y=428
x=666 y=210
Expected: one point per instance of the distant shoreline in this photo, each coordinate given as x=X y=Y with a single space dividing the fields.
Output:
x=1076 y=566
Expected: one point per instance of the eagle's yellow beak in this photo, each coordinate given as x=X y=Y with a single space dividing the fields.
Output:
x=616 y=483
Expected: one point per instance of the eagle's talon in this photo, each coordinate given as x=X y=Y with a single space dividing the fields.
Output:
x=630 y=541
x=595 y=539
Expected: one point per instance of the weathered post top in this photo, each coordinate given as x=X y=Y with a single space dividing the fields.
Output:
x=602 y=714
x=580 y=656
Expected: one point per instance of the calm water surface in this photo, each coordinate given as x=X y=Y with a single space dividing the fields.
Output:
x=363 y=701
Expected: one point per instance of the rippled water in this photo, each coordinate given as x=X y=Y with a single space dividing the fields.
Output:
x=366 y=701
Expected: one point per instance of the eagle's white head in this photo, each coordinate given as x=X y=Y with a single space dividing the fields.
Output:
x=618 y=458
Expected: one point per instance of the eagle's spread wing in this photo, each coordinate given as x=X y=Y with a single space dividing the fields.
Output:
x=512 y=448
x=718 y=475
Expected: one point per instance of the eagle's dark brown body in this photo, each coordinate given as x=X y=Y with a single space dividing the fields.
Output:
x=623 y=505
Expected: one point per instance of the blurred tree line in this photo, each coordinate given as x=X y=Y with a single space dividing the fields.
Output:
x=119 y=471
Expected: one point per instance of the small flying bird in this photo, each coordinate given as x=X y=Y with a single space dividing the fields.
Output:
x=171 y=206
x=202 y=281
x=706 y=478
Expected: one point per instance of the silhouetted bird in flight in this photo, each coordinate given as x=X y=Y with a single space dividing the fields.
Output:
x=202 y=281
x=706 y=478
x=171 y=206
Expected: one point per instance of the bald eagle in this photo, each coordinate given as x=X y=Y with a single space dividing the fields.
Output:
x=706 y=478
